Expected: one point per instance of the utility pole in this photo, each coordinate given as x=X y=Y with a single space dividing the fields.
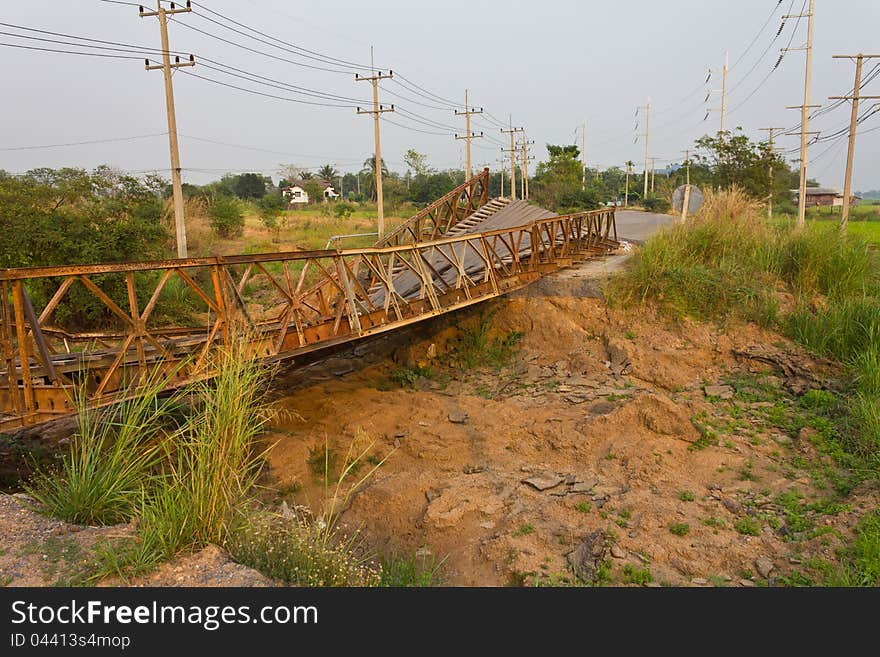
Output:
x=647 y=144
x=853 y=125
x=167 y=66
x=626 y=193
x=687 y=188
x=376 y=111
x=653 y=171
x=512 y=153
x=503 y=163
x=584 y=155
x=468 y=135
x=723 y=92
x=524 y=182
x=805 y=113
x=773 y=152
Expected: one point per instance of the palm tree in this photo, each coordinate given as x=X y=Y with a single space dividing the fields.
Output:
x=369 y=172
x=328 y=172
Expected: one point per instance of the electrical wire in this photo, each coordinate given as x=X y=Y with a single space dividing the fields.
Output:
x=84 y=143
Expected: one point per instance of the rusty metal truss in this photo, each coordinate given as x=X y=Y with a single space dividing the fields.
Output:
x=437 y=219
x=287 y=303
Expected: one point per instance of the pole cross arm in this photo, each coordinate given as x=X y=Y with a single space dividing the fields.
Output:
x=171 y=10
x=176 y=64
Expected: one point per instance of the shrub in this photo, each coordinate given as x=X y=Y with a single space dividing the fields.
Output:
x=226 y=216
x=654 y=203
x=343 y=210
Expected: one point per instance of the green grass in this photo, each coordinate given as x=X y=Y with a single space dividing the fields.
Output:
x=110 y=462
x=525 y=529
x=407 y=377
x=680 y=529
x=747 y=526
x=860 y=562
x=686 y=496
x=583 y=507
x=414 y=571
x=639 y=576
x=477 y=348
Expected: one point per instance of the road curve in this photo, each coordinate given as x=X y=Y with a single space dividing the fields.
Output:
x=636 y=225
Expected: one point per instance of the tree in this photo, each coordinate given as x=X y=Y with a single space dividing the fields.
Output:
x=226 y=216
x=732 y=159
x=250 y=186
x=271 y=210
x=558 y=182
x=314 y=189
x=416 y=162
x=328 y=172
x=368 y=176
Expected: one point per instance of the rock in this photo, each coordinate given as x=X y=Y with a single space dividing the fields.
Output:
x=746 y=583
x=618 y=552
x=458 y=417
x=700 y=581
x=663 y=416
x=732 y=505
x=474 y=469
x=602 y=408
x=570 y=479
x=722 y=392
x=587 y=557
x=583 y=487
x=764 y=566
x=543 y=482
x=403 y=433
x=577 y=399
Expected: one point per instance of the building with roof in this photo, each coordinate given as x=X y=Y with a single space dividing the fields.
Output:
x=825 y=197
x=295 y=192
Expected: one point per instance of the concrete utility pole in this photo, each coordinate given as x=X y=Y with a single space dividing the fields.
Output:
x=653 y=172
x=853 y=125
x=167 y=66
x=687 y=188
x=468 y=135
x=626 y=192
x=503 y=163
x=724 y=92
x=647 y=144
x=376 y=111
x=512 y=154
x=773 y=151
x=584 y=156
x=524 y=145
x=805 y=113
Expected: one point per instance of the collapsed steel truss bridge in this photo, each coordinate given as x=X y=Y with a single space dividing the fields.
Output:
x=461 y=250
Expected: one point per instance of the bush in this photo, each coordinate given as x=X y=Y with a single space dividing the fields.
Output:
x=343 y=210
x=227 y=217
x=655 y=203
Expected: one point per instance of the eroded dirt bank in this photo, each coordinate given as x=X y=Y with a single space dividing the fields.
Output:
x=612 y=446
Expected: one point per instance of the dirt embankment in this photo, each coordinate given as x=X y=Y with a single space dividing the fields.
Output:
x=601 y=426
x=613 y=447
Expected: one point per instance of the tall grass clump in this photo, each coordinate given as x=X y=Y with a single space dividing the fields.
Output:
x=111 y=461
x=730 y=262
x=211 y=461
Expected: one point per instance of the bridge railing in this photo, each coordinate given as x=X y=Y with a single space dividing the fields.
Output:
x=170 y=314
x=439 y=217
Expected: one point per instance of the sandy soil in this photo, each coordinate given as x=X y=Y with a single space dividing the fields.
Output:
x=599 y=407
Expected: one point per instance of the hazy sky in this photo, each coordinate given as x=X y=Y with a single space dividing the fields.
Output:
x=551 y=64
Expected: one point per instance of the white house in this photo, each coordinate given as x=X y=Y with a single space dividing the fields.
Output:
x=296 y=193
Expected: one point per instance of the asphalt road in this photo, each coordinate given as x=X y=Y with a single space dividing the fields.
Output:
x=635 y=225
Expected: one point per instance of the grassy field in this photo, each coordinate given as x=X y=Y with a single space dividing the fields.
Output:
x=300 y=230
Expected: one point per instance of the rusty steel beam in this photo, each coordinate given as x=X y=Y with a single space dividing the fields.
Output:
x=291 y=303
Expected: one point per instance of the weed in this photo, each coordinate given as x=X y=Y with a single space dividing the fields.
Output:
x=525 y=529
x=747 y=526
x=639 y=576
x=323 y=460
x=583 y=507
x=407 y=377
x=715 y=523
x=419 y=570
x=686 y=496
x=680 y=528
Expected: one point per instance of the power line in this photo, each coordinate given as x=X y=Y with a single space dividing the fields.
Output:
x=84 y=143
x=70 y=52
